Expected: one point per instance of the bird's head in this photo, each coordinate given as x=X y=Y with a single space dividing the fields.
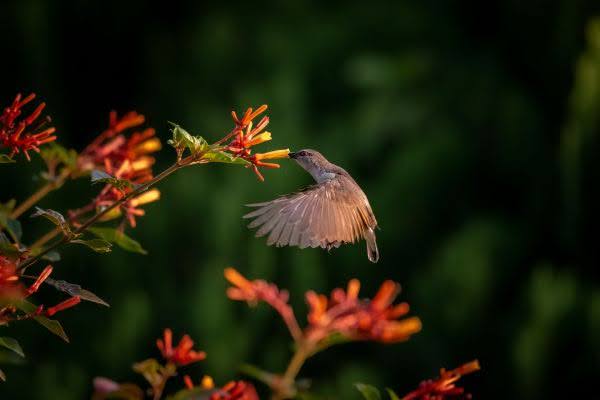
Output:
x=313 y=162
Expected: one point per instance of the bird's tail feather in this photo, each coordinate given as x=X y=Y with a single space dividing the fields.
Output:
x=372 y=250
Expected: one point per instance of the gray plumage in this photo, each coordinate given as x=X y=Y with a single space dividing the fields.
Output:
x=327 y=214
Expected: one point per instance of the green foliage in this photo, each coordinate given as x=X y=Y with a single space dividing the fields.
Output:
x=153 y=371
x=12 y=345
x=5 y=159
x=98 y=176
x=56 y=218
x=392 y=394
x=55 y=154
x=368 y=392
x=196 y=145
x=98 y=245
x=75 y=290
x=52 y=325
x=223 y=157
x=119 y=238
x=182 y=141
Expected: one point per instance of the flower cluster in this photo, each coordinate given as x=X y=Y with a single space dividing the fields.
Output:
x=183 y=353
x=24 y=134
x=157 y=376
x=235 y=390
x=246 y=135
x=127 y=158
x=342 y=313
x=444 y=387
x=12 y=291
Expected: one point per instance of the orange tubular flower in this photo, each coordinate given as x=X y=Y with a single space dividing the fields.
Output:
x=27 y=134
x=123 y=157
x=241 y=145
x=356 y=319
x=206 y=383
x=183 y=353
x=260 y=290
x=10 y=285
x=444 y=387
x=235 y=390
x=343 y=312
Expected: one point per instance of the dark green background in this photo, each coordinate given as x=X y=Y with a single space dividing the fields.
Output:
x=472 y=126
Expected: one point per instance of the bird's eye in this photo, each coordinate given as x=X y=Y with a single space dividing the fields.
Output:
x=302 y=154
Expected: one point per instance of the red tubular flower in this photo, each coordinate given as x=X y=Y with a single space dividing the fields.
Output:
x=72 y=302
x=343 y=312
x=9 y=279
x=183 y=353
x=260 y=290
x=444 y=387
x=357 y=319
x=26 y=134
x=11 y=286
x=123 y=157
x=235 y=390
x=241 y=145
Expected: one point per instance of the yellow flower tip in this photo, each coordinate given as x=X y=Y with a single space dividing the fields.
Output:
x=149 y=146
x=142 y=163
x=273 y=154
x=401 y=330
x=235 y=278
x=207 y=382
x=469 y=367
x=112 y=214
x=258 y=139
x=353 y=288
x=146 y=197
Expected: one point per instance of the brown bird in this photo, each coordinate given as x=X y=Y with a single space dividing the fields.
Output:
x=332 y=212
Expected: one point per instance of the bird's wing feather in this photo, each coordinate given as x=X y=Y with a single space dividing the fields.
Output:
x=323 y=215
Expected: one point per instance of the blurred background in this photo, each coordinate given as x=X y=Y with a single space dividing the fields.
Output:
x=472 y=126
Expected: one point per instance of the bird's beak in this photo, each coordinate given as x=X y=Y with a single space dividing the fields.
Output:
x=292 y=155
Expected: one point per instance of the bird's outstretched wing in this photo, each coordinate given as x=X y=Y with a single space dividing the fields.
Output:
x=323 y=215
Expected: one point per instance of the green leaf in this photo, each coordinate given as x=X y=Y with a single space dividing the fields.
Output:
x=7 y=249
x=392 y=394
x=98 y=245
x=55 y=217
x=75 y=290
x=153 y=371
x=11 y=344
x=369 y=392
x=5 y=159
x=196 y=393
x=52 y=256
x=51 y=324
x=182 y=140
x=223 y=157
x=102 y=177
x=119 y=238
x=54 y=152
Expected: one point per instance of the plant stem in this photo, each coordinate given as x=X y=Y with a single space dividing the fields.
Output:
x=283 y=390
x=41 y=193
x=185 y=162
x=46 y=238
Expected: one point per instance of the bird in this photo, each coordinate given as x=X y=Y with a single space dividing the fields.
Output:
x=327 y=214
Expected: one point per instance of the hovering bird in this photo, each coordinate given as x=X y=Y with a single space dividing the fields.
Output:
x=327 y=214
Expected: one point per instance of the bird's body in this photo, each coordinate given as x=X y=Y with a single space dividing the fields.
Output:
x=327 y=214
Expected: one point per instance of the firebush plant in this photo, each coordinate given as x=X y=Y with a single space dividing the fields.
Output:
x=119 y=162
